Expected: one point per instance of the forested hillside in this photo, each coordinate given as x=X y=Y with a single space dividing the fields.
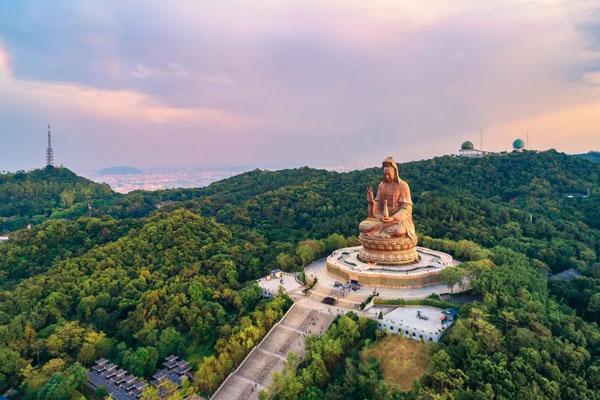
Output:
x=518 y=343
x=166 y=287
x=30 y=198
x=592 y=156
x=32 y=251
x=519 y=201
x=134 y=277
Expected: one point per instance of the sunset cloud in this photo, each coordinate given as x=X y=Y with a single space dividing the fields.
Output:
x=290 y=83
x=62 y=97
x=5 y=70
x=593 y=78
x=548 y=130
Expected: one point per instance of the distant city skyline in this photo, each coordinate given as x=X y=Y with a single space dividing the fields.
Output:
x=327 y=84
x=155 y=180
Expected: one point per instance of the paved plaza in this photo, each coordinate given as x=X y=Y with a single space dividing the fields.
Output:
x=271 y=284
x=429 y=260
x=326 y=282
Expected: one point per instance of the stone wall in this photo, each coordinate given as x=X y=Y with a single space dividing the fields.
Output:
x=384 y=279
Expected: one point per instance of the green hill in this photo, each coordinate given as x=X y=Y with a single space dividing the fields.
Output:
x=593 y=156
x=132 y=282
x=31 y=197
x=33 y=251
x=165 y=287
x=517 y=200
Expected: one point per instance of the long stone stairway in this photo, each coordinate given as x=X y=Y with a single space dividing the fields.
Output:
x=255 y=372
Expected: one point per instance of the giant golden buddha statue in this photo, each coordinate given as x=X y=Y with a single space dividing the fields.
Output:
x=388 y=234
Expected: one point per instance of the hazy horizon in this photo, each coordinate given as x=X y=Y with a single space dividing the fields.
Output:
x=325 y=84
x=95 y=172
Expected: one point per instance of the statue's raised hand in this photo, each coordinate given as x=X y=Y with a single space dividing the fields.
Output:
x=370 y=196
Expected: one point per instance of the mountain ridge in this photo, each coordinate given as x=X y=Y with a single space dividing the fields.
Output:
x=122 y=170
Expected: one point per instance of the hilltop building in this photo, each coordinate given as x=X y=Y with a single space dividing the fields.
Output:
x=467 y=149
x=518 y=145
x=418 y=322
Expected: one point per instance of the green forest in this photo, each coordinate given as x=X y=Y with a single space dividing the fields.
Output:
x=592 y=156
x=90 y=273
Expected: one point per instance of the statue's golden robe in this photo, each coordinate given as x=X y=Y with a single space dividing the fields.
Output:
x=388 y=234
x=396 y=195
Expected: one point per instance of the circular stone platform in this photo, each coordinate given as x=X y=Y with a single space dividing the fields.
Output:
x=346 y=265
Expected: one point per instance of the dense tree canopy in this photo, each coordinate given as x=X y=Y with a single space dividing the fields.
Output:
x=520 y=201
x=592 y=156
x=33 y=196
x=32 y=251
x=515 y=344
x=136 y=277
x=164 y=287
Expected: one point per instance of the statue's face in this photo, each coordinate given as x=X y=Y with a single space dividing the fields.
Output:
x=388 y=174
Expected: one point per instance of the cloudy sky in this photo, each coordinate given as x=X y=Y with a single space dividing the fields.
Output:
x=287 y=83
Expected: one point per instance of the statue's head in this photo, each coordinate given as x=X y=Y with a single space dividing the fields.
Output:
x=390 y=170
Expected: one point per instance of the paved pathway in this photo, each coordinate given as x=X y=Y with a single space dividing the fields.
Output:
x=255 y=372
x=306 y=316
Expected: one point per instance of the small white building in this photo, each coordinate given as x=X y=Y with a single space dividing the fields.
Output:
x=271 y=283
x=418 y=322
x=3 y=238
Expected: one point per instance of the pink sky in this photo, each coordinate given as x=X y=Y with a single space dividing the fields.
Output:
x=272 y=83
